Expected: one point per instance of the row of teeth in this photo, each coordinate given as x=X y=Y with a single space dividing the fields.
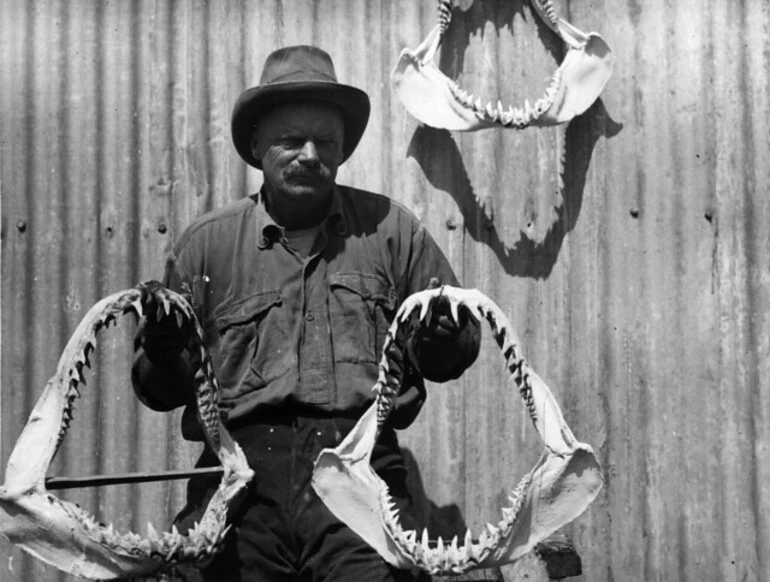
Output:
x=548 y=8
x=168 y=547
x=74 y=374
x=452 y=556
x=516 y=117
x=388 y=383
x=207 y=393
x=515 y=364
x=444 y=15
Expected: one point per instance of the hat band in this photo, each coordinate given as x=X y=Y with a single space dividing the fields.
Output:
x=303 y=76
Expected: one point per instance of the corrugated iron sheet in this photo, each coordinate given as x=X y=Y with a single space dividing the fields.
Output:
x=628 y=248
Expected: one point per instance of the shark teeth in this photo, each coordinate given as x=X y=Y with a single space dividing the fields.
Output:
x=167 y=547
x=513 y=117
x=170 y=547
x=546 y=8
x=454 y=557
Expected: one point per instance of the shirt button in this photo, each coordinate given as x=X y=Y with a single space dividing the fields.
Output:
x=309 y=316
x=263 y=242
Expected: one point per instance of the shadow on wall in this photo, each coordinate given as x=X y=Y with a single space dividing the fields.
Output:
x=445 y=521
x=435 y=151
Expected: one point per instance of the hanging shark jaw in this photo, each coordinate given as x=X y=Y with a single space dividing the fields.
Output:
x=62 y=534
x=563 y=483
x=435 y=100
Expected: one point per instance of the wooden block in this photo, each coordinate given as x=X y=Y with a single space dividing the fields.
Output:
x=560 y=557
x=554 y=558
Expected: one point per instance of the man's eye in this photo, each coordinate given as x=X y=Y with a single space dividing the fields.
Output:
x=291 y=143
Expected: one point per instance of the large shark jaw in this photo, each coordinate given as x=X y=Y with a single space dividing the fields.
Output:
x=563 y=483
x=435 y=100
x=62 y=534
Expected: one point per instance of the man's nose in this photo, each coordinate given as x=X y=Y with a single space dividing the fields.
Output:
x=309 y=153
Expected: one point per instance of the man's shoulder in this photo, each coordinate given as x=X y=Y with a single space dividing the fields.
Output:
x=375 y=204
x=220 y=218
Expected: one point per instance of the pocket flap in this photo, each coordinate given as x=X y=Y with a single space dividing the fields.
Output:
x=246 y=309
x=367 y=286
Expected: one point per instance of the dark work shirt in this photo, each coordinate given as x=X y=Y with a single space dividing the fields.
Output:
x=289 y=330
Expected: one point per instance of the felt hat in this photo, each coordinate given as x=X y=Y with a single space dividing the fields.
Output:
x=298 y=73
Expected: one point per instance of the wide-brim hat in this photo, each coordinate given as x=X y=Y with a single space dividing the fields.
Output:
x=298 y=73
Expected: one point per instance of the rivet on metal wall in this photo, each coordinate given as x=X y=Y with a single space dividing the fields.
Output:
x=634 y=212
x=709 y=215
x=21 y=226
x=162 y=228
x=110 y=231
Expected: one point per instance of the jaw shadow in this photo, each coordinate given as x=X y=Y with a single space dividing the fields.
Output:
x=441 y=162
x=445 y=521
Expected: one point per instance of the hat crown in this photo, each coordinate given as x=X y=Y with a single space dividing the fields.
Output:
x=298 y=64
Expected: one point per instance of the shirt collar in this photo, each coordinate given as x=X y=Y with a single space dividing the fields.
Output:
x=269 y=231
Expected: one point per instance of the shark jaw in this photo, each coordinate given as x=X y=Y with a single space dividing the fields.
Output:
x=435 y=100
x=62 y=534
x=563 y=483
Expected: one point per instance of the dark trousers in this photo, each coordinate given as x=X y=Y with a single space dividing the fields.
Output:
x=282 y=531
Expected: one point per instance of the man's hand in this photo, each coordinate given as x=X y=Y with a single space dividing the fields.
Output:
x=439 y=325
x=162 y=373
x=163 y=336
x=440 y=347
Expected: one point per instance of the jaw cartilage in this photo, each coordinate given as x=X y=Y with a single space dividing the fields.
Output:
x=435 y=100
x=62 y=534
x=563 y=483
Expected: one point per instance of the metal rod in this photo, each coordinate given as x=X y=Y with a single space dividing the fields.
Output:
x=53 y=483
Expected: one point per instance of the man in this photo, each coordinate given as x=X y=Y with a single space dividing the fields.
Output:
x=295 y=288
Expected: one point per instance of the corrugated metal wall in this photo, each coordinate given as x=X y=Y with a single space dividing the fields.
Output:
x=629 y=248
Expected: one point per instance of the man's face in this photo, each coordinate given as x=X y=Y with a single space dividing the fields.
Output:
x=300 y=145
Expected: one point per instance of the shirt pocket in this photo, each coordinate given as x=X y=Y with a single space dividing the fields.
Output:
x=239 y=328
x=361 y=307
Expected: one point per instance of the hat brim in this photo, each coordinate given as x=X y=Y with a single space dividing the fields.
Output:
x=253 y=103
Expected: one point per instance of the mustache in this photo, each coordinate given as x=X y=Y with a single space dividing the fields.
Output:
x=319 y=172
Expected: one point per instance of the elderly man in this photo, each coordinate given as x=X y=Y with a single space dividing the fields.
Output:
x=295 y=288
